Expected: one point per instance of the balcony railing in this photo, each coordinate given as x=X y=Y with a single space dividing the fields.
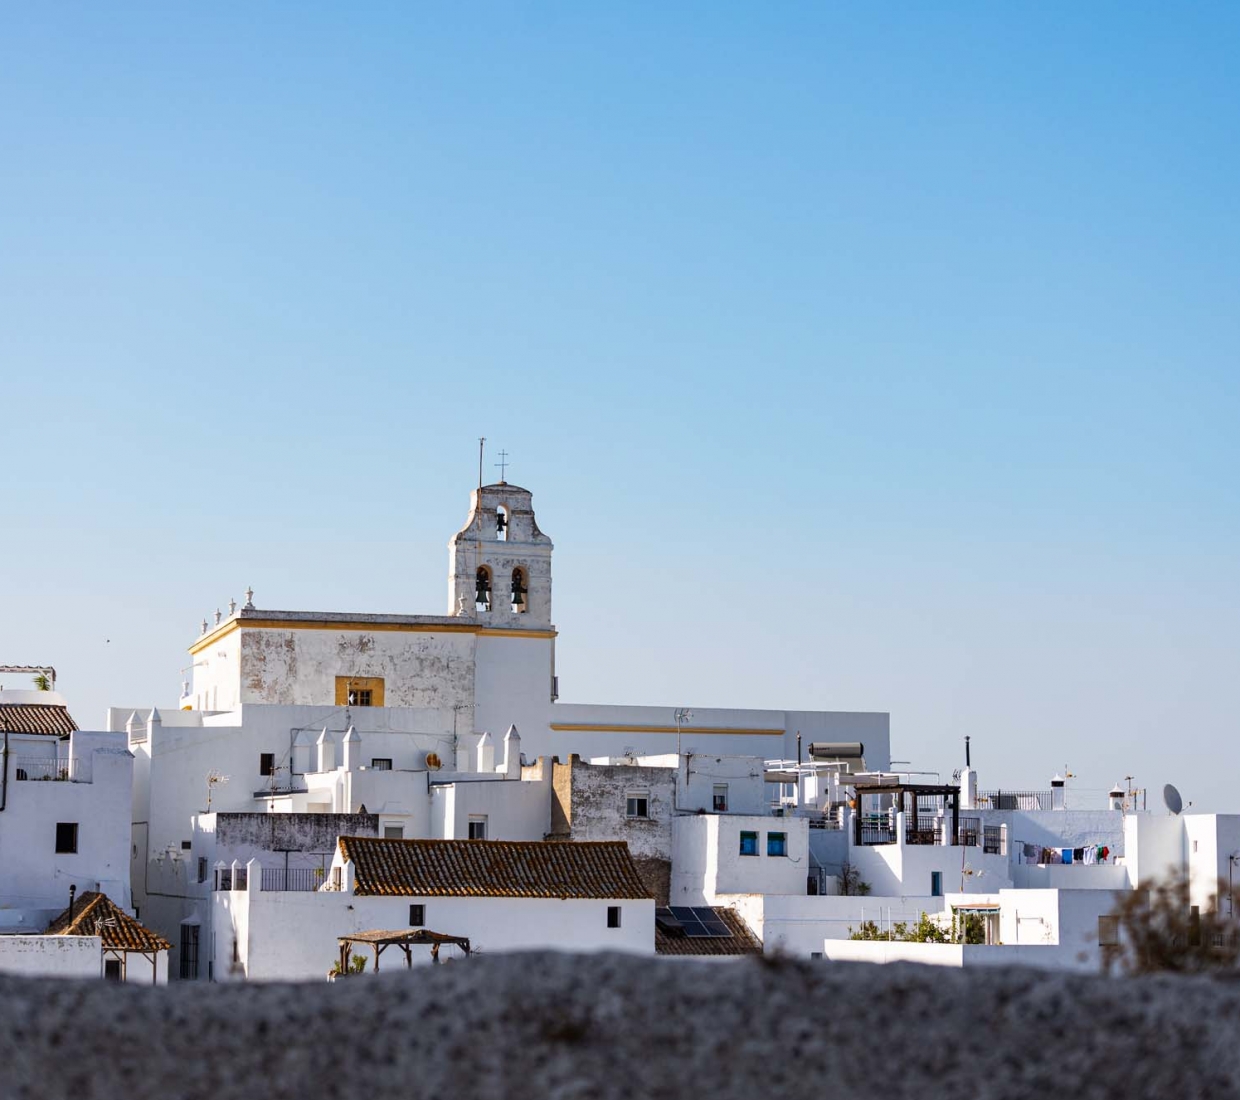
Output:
x=1014 y=800
x=49 y=769
x=303 y=879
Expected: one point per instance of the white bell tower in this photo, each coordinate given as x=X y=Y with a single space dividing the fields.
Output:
x=499 y=563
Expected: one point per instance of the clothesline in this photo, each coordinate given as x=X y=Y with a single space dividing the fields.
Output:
x=1039 y=854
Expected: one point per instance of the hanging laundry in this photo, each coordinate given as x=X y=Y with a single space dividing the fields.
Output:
x=1103 y=853
x=1055 y=855
x=1067 y=855
x=1031 y=853
x=1078 y=855
x=1090 y=855
x=1047 y=856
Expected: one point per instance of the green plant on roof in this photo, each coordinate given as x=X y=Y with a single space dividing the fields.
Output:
x=42 y=682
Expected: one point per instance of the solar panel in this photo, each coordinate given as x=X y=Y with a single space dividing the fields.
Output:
x=698 y=922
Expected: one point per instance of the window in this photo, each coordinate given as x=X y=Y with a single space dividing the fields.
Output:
x=202 y=868
x=381 y=763
x=936 y=884
x=267 y=763
x=719 y=799
x=21 y=774
x=613 y=916
x=112 y=970
x=776 y=844
x=815 y=954
x=66 y=837
x=417 y=916
x=359 y=691
x=186 y=845
x=393 y=832
x=1194 y=846
x=337 y=878
x=637 y=804
x=477 y=827
x=1108 y=931
x=749 y=844
x=189 y=952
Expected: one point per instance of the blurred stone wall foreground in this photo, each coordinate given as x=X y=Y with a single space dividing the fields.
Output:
x=559 y=1026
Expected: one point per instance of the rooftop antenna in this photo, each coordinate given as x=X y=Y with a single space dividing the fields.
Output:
x=482 y=440
x=1172 y=799
x=214 y=779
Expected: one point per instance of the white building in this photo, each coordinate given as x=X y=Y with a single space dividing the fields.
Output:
x=64 y=810
x=329 y=712
x=502 y=896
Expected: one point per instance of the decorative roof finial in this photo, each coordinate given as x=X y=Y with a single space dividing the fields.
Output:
x=218 y=616
x=204 y=626
x=232 y=607
x=249 y=600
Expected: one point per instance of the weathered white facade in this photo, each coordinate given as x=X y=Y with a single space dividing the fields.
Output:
x=335 y=713
x=64 y=814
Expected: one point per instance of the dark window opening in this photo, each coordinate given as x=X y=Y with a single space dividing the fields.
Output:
x=637 y=805
x=267 y=763
x=112 y=970
x=417 y=916
x=482 y=589
x=613 y=916
x=381 y=763
x=21 y=774
x=478 y=829
x=749 y=844
x=202 y=868
x=189 y=952
x=776 y=844
x=186 y=845
x=66 y=837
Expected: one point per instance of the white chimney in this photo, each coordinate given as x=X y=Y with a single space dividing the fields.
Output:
x=1057 y=792
x=512 y=754
x=968 y=789
x=484 y=754
x=327 y=751
x=351 y=757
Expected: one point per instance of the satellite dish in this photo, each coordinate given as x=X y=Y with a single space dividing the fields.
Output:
x=1172 y=799
x=433 y=763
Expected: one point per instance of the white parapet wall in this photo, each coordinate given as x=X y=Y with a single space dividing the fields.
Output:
x=52 y=956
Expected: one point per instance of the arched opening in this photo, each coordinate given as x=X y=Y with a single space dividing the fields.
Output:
x=520 y=590
x=502 y=520
x=482 y=589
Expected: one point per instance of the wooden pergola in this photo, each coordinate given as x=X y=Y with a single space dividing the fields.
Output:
x=404 y=939
x=906 y=797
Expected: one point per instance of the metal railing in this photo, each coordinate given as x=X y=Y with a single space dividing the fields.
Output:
x=49 y=769
x=992 y=840
x=1015 y=800
x=302 y=879
x=876 y=832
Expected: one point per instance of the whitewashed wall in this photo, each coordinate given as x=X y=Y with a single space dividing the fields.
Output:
x=293 y=935
x=51 y=956
x=706 y=859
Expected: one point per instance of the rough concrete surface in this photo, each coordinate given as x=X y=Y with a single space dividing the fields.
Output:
x=610 y=1026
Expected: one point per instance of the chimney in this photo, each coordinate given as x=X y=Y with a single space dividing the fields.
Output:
x=512 y=754
x=484 y=754
x=326 y=745
x=351 y=758
x=1057 y=792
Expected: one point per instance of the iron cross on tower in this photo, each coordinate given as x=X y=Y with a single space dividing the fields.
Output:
x=503 y=466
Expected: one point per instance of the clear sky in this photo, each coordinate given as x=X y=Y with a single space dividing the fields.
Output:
x=865 y=356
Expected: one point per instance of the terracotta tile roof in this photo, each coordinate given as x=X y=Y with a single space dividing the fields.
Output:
x=36 y=718
x=493 y=868
x=668 y=941
x=96 y=914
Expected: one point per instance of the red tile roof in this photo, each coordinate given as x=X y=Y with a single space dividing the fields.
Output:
x=36 y=718
x=96 y=914
x=493 y=868
x=741 y=942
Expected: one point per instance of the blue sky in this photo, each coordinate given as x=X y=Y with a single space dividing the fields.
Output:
x=859 y=356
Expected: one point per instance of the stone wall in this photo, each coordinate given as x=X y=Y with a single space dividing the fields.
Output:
x=290 y=832
x=610 y=1026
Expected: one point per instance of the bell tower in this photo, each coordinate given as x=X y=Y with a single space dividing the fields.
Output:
x=499 y=563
